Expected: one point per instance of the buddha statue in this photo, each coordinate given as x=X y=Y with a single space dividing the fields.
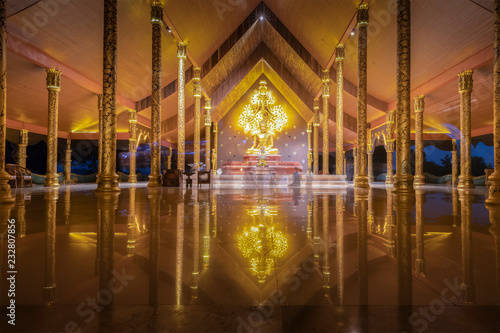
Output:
x=263 y=141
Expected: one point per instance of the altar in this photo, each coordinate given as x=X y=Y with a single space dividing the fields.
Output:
x=250 y=166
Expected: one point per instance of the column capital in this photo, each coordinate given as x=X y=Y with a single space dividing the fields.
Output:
x=132 y=116
x=316 y=105
x=362 y=16
x=465 y=81
x=309 y=128
x=53 y=79
x=419 y=103
x=157 y=13
x=214 y=128
x=181 y=50
x=454 y=144
x=24 y=137
x=208 y=104
x=68 y=144
x=196 y=73
x=197 y=84
x=339 y=52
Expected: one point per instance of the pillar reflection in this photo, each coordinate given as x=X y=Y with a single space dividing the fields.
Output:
x=494 y=211
x=21 y=214
x=131 y=223
x=49 y=284
x=468 y=293
x=420 y=260
x=390 y=225
x=154 y=195
x=67 y=206
x=316 y=227
x=339 y=226
x=326 y=247
x=195 y=275
x=179 y=248
x=361 y=197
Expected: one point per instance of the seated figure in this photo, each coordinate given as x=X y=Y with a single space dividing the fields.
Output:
x=264 y=139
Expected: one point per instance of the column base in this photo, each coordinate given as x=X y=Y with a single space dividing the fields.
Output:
x=494 y=189
x=132 y=178
x=371 y=179
x=49 y=295
x=361 y=182
x=108 y=183
x=418 y=180
x=420 y=267
x=5 y=190
x=465 y=182
x=52 y=180
x=403 y=184
x=389 y=180
x=391 y=248
x=154 y=180
x=468 y=293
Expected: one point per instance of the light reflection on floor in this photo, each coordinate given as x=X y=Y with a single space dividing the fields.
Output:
x=195 y=260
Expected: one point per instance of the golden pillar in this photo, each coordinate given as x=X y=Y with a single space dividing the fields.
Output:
x=5 y=195
x=208 y=123
x=403 y=182
x=131 y=223
x=355 y=161
x=169 y=158
x=339 y=229
x=108 y=178
x=309 y=148
x=49 y=284
x=419 y=141
x=391 y=225
x=23 y=144
x=132 y=146
x=465 y=90
x=197 y=115
x=154 y=195
x=454 y=163
x=494 y=189
x=181 y=124
x=419 y=217
x=53 y=86
x=67 y=163
x=157 y=22
x=361 y=179
x=316 y=123
x=370 y=149
x=339 y=144
x=216 y=147
x=389 y=147
x=326 y=96
x=99 y=142
x=465 y=197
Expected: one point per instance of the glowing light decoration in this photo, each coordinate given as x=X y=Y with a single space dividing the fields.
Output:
x=261 y=242
x=262 y=119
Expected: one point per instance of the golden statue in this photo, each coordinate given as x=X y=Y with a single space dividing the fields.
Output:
x=261 y=118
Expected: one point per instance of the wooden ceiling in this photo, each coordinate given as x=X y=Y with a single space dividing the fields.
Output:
x=448 y=36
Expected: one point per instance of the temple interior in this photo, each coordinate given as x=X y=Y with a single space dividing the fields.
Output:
x=250 y=166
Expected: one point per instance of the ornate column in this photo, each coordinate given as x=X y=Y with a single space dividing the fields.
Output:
x=5 y=195
x=465 y=90
x=370 y=149
x=197 y=115
x=361 y=179
x=309 y=148
x=403 y=180
x=67 y=163
x=169 y=158
x=181 y=125
x=208 y=123
x=53 y=86
x=355 y=162
x=49 y=284
x=494 y=189
x=216 y=147
x=108 y=178
x=339 y=144
x=419 y=217
x=389 y=147
x=326 y=140
x=99 y=142
x=454 y=163
x=23 y=144
x=157 y=22
x=419 y=141
x=316 y=123
x=132 y=146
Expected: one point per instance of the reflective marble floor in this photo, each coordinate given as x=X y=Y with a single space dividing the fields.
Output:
x=270 y=260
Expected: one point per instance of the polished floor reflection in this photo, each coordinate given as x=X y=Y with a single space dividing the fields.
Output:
x=270 y=260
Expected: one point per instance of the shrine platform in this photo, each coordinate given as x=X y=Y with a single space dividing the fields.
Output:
x=261 y=179
x=249 y=166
